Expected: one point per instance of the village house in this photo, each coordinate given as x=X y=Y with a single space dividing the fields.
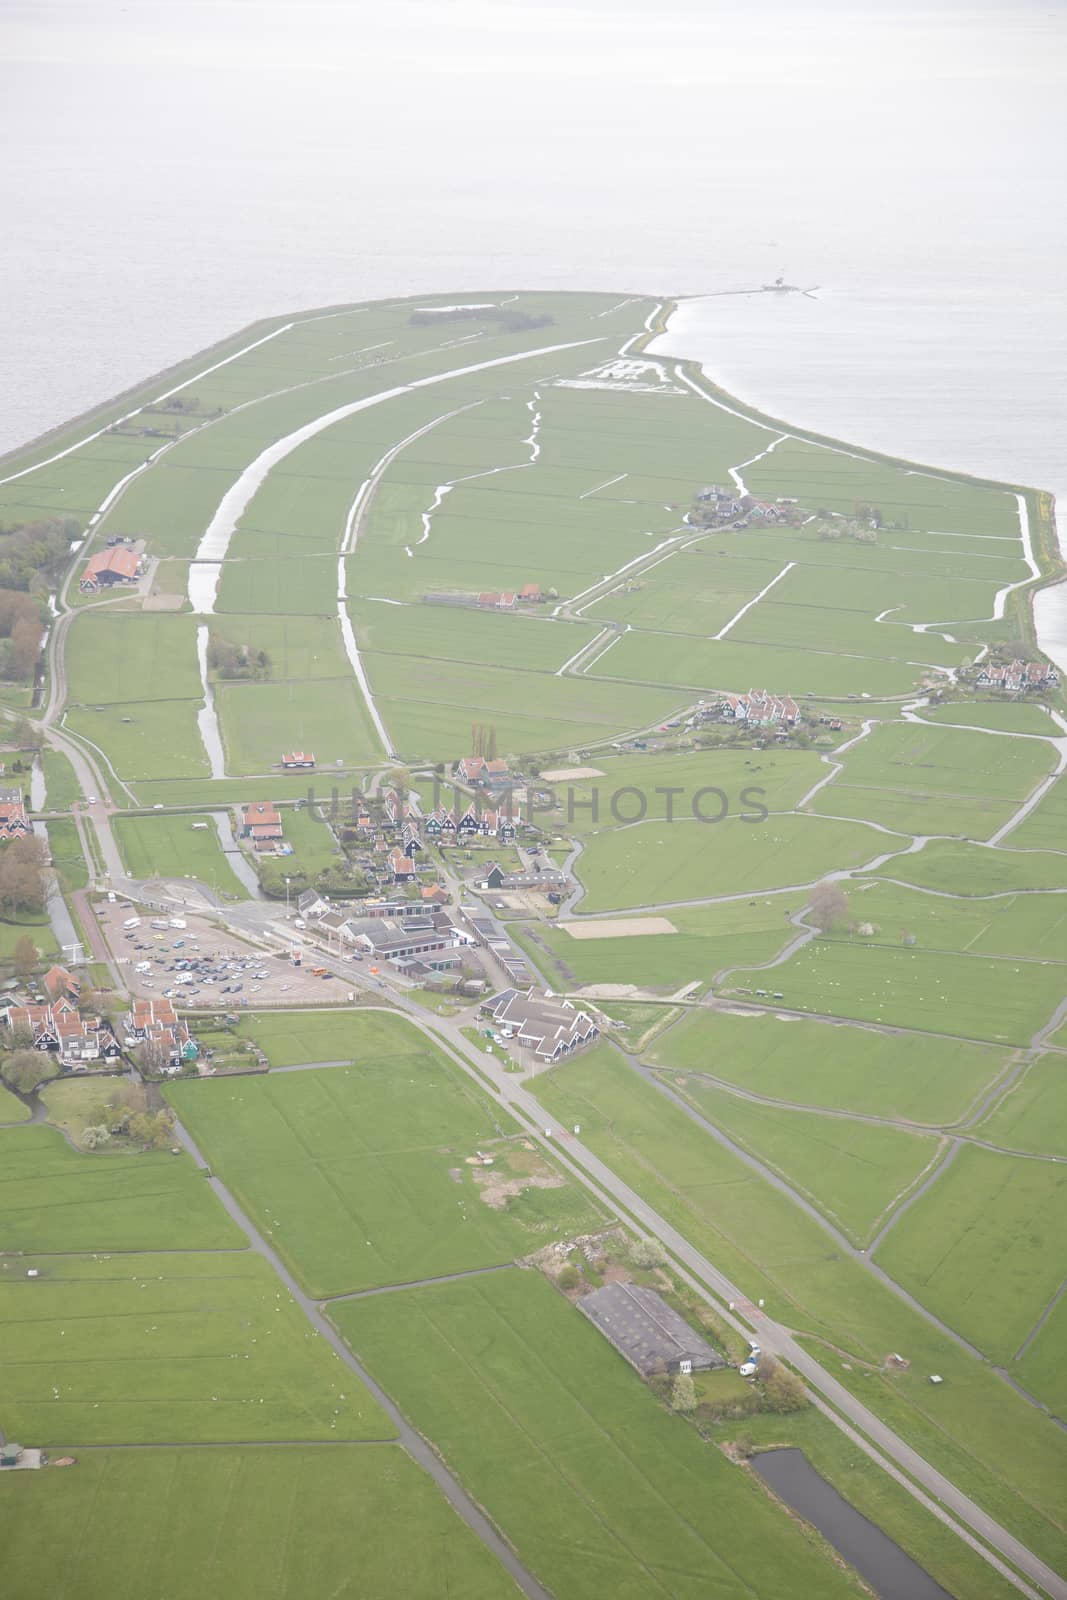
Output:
x=401 y=866
x=60 y=1027
x=434 y=894
x=552 y=1028
x=156 y=1022
x=411 y=840
x=310 y=903
x=1016 y=677
x=297 y=761
x=14 y=823
x=262 y=825
x=62 y=985
x=120 y=563
x=441 y=824
x=484 y=774
x=547 y=880
x=759 y=709
x=496 y=602
x=530 y=594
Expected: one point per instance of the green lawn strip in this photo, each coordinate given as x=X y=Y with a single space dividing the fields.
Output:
x=1003 y=716
x=708 y=939
x=360 y=1174
x=954 y=762
x=913 y=811
x=1040 y=1368
x=976 y=1429
x=112 y=658
x=260 y=721
x=144 y=738
x=682 y=787
x=455 y=634
x=980 y=1247
x=874 y=1493
x=66 y=851
x=173 y=846
x=837 y=1067
x=1033 y=1114
x=52 y=1199
x=700 y=665
x=1045 y=828
x=288 y=1038
x=253 y=1524
x=852 y=1171
x=655 y=863
x=599 y=1488
x=12 y=1108
x=62 y=788
x=885 y=914
x=956 y=867
x=169 y=1348
x=274 y=786
x=314 y=846
x=19 y=925
x=973 y=997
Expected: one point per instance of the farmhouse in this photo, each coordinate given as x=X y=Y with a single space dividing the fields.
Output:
x=261 y=823
x=62 y=985
x=491 y=601
x=646 y=1331
x=484 y=774
x=548 y=1026
x=120 y=563
x=759 y=709
x=14 y=823
x=1016 y=677
x=297 y=760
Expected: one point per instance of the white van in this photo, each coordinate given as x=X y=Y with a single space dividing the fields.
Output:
x=143 y=966
x=132 y=922
x=748 y=1369
x=177 y=922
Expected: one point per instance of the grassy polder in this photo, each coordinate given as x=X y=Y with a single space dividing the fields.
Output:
x=169 y=846
x=1033 y=1114
x=360 y=1174
x=53 y=1199
x=916 y=1078
x=980 y=1247
x=1004 y=1453
x=599 y=1488
x=176 y=1348
x=659 y=863
x=253 y=1524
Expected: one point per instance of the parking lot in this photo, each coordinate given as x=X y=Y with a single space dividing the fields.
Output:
x=203 y=966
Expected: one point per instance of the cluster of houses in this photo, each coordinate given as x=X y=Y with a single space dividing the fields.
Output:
x=57 y=1024
x=1016 y=677
x=121 y=561
x=530 y=594
x=541 y=1022
x=14 y=823
x=261 y=825
x=79 y=1041
x=717 y=506
x=759 y=709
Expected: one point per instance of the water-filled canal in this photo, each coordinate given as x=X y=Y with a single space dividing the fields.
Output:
x=884 y=1565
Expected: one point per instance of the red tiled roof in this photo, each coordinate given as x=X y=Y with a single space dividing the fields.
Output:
x=120 y=560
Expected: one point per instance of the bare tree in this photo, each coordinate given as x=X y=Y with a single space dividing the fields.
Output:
x=828 y=905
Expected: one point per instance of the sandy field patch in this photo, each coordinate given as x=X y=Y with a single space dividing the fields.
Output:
x=570 y=774
x=619 y=927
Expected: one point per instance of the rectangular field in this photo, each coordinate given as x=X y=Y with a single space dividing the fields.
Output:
x=168 y=846
x=600 y=1489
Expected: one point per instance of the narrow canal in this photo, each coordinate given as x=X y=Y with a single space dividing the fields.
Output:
x=891 y=1573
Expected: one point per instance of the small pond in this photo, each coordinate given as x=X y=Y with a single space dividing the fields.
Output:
x=891 y=1573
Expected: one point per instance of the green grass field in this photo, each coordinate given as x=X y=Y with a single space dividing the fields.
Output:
x=360 y=1174
x=253 y=1524
x=288 y=1038
x=169 y=846
x=171 y=1348
x=61 y=786
x=709 y=938
x=980 y=1247
x=261 y=720
x=1033 y=1114
x=145 y=739
x=972 y=869
x=975 y=1426
x=600 y=1489
x=113 y=659
x=656 y=863
x=11 y=1107
x=854 y=1172
x=919 y=1079
x=66 y=852
x=1007 y=716
x=52 y=1199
